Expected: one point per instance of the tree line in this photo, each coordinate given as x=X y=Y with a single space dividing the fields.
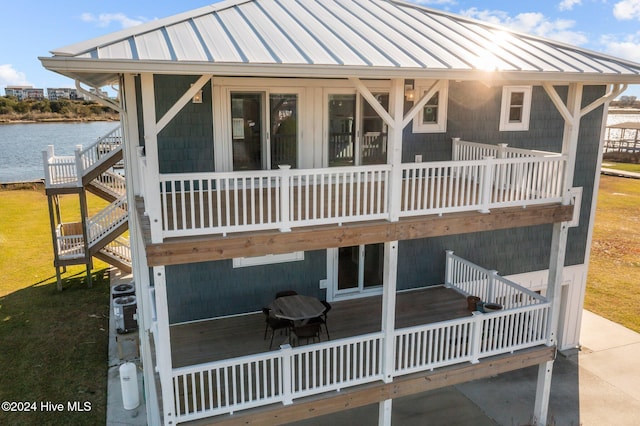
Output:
x=11 y=109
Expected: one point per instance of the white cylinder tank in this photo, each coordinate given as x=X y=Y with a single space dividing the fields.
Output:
x=129 y=385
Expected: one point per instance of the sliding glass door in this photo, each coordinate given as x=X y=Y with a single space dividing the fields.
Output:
x=257 y=146
x=357 y=134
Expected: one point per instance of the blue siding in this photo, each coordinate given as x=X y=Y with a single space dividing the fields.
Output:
x=185 y=145
x=211 y=289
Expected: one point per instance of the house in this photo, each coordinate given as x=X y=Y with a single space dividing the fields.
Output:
x=387 y=158
x=24 y=92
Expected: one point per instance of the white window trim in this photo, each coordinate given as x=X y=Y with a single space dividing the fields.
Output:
x=422 y=86
x=242 y=262
x=523 y=125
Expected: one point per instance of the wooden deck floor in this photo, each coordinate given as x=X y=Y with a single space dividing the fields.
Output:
x=231 y=337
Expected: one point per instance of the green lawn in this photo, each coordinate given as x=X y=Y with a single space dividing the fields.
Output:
x=627 y=167
x=54 y=344
x=613 y=283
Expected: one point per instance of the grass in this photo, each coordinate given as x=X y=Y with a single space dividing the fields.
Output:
x=627 y=167
x=54 y=344
x=613 y=283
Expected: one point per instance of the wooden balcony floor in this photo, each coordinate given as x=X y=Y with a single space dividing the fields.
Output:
x=224 y=338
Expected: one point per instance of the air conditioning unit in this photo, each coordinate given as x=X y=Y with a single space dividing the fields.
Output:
x=122 y=290
x=124 y=309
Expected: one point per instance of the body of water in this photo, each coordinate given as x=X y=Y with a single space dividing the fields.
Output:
x=21 y=145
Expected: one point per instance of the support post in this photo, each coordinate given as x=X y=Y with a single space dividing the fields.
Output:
x=384 y=412
x=396 y=109
x=285 y=205
x=486 y=184
x=572 y=115
x=152 y=190
x=163 y=345
x=389 y=309
x=286 y=372
x=84 y=213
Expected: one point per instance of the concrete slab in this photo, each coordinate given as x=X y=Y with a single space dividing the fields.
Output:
x=598 y=333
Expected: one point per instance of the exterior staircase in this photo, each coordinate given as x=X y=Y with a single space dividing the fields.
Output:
x=103 y=235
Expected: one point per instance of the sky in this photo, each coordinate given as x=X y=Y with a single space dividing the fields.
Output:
x=31 y=28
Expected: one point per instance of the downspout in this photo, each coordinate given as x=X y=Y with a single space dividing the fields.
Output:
x=99 y=98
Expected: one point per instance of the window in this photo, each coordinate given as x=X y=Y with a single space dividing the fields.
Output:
x=242 y=262
x=516 y=108
x=433 y=117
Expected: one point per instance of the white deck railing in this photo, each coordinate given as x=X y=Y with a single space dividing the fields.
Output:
x=120 y=249
x=111 y=183
x=227 y=386
x=472 y=280
x=205 y=203
x=69 y=246
x=464 y=150
x=66 y=170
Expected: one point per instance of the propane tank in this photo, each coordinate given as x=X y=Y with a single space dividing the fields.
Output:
x=129 y=385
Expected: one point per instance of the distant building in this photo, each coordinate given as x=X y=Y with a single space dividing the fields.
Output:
x=55 y=94
x=24 y=92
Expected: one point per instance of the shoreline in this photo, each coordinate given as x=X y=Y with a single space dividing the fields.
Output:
x=58 y=120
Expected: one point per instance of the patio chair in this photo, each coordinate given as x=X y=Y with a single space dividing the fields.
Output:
x=274 y=324
x=322 y=320
x=306 y=331
x=285 y=293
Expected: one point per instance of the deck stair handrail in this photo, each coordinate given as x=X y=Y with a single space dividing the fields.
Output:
x=64 y=171
x=111 y=183
x=107 y=220
x=222 y=202
x=119 y=249
x=99 y=152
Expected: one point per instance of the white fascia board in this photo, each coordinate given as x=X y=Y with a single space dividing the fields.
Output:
x=67 y=65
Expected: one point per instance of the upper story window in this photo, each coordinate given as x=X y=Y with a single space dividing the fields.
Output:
x=516 y=108
x=433 y=117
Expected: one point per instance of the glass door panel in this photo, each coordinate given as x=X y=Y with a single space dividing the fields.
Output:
x=342 y=129
x=360 y=268
x=373 y=265
x=373 y=143
x=283 y=109
x=246 y=130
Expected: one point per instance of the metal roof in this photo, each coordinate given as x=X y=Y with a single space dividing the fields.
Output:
x=332 y=38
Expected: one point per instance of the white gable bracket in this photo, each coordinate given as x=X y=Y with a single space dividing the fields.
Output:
x=98 y=98
x=614 y=91
x=180 y=103
x=555 y=98
x=417 y=107
x=366 y=93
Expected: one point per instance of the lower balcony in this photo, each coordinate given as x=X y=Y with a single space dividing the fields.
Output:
x=223 y=366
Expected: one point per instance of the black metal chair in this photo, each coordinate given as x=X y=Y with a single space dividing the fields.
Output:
x=274 y=323
x=285 y=293
x=322 y=319
x=310 y=330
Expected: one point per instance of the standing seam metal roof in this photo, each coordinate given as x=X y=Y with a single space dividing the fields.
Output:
x=362 y=33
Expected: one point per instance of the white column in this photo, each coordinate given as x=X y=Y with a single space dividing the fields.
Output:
x=394 y=145
x=139 y=268
x=384 y=412
x=389 y=308
x=163 y=345
x=152 y=191
x=558 y=251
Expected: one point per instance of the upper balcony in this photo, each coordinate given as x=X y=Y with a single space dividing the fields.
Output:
x=480 y=178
